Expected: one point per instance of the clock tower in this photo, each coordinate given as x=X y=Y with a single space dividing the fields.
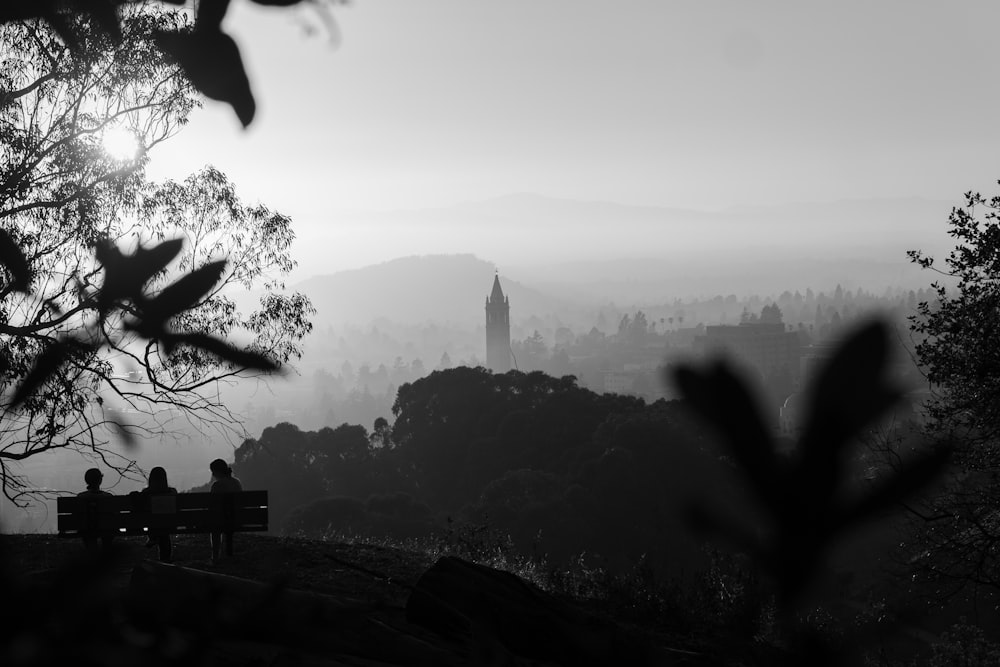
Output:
x=497 y=329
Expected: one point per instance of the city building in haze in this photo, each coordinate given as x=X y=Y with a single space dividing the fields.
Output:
x=497 y=329
x=765 y=346
x=767 y=350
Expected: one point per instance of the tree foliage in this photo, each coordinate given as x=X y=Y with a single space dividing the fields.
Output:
x=559 y=468
x=116 y=293
x=207 y=55
x=957 y=333
x=459 y=429
x=771 y=314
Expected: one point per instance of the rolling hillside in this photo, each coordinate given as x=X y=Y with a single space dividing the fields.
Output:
x=448 y=289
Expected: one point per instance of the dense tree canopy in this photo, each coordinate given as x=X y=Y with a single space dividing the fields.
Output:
x=559 y=468
x=123 y=299
x=957 y=334
x=959 y=329
x=461 y=428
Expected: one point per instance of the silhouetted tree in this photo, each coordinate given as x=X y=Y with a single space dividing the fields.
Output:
x=381 y=435
x=86 y=291
x=771 y=314
x=457 y=430
x=623 y=325
x=957 y=330
x=534 y=346
x=208 y=56
x=283 y=461
x=344 y=455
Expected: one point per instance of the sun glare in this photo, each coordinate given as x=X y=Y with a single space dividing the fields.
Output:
x=121 y=144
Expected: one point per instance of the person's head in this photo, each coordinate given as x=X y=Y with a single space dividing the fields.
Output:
x=93 y=477
x=220 y=468
x=158 y=478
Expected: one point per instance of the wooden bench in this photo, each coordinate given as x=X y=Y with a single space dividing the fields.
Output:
x=184 y=513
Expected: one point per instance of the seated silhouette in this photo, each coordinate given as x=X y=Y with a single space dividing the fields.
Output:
x=93 y=477
x=158 y=498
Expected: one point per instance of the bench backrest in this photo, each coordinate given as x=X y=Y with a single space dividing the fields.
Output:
x=138 y=514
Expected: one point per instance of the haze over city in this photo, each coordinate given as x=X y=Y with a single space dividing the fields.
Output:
x=409 y=114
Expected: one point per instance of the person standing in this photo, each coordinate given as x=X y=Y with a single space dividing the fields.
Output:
x=93 y=478
x=223 y=482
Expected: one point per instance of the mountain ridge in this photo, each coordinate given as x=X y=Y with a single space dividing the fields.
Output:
x=446 y=289
x=525 y=229
x=452 y=289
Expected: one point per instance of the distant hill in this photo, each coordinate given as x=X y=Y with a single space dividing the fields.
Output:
x=437 y=288
x=546 y=241
x=656 y=281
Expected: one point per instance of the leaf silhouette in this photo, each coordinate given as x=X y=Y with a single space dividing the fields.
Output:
x=13 y=259
x=59 y=22
x=105 y=12
x=125 y=275
x=46 y=364
x=184 y=293
x=224 y=350
x=851 y=390
x=20 y=11
x=117 y=284
x=124 y=431
x=150 y=261
x=106 y=252
x=211 y=13
x=722 y=399
x=850 y=393
x=212 y=62
x=802 y=493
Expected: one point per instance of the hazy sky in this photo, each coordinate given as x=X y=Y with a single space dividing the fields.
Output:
x=698 y=104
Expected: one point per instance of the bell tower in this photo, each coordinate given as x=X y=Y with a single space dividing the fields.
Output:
x=497 y=329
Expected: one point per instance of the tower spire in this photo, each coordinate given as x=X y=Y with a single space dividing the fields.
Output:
x=497 y=328
x=496 y=295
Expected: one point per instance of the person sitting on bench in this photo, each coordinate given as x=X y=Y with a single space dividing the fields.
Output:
x=157 y=486
x=93 y=477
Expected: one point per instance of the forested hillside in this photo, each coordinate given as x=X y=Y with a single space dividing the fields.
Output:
x=562 y=469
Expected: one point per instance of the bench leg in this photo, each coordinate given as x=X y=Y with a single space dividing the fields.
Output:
x=165 y=548
x=220 y=540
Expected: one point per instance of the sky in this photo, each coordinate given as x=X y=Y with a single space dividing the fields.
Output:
x=706 y=104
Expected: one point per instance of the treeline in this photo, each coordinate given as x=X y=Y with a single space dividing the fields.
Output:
x=384 y=354
x=355 y=372
x=559 y=468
